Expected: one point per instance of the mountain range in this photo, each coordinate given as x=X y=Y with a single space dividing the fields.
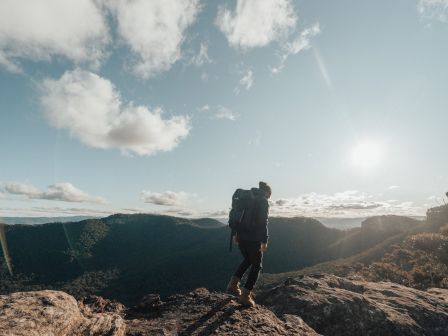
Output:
x=125 y=257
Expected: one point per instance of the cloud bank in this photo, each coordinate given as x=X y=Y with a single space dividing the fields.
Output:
x=44 y=29
x=255 y=23
x=79 y=31
x=89 y=107
x=345 y=204
x=154 y=31
x=65 y=192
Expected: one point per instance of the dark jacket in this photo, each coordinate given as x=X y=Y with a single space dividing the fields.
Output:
x=260 y=217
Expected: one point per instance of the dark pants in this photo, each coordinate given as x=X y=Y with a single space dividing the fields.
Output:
x=253 y=257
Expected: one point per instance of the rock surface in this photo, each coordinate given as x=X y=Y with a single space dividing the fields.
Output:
x=336 y=306
x=204 y=313
x=54 y=313
x=329 y=305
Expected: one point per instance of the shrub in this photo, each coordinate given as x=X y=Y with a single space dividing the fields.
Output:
x=428 y=242
x=444 y=230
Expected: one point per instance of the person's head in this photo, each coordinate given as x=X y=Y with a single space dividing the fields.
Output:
x=264 y=187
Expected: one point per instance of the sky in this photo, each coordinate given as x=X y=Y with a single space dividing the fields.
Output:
x=168 y=106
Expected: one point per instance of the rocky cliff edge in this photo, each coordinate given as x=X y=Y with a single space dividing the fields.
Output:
x=308 y=305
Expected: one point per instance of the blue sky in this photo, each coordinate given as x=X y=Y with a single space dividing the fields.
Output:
x=168 y=106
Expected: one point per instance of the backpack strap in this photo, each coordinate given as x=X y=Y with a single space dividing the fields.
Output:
x=232 y=233
x=230 y=242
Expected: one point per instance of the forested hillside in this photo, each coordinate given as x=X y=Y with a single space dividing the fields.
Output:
x=127 y=256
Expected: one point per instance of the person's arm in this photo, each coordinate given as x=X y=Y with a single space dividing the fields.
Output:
x=263 y=215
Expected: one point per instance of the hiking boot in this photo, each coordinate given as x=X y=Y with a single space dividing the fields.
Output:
x=234 y=286
x=246 y=298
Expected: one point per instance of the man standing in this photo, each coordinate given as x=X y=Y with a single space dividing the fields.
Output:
x=252 y=243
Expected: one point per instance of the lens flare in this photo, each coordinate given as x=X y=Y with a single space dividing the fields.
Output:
x=5 y=248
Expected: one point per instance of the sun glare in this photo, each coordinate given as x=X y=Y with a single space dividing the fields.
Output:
x=366 y=155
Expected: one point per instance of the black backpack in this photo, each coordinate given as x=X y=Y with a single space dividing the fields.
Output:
x=241 y=216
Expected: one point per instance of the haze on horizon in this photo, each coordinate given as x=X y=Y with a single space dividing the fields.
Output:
x=167 y=106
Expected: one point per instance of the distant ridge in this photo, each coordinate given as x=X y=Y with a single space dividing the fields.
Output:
x=42 y=220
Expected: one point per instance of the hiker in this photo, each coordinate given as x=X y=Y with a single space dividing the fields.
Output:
x=252 y=244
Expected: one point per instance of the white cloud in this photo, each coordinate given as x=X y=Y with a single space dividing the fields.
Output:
x=433 y=9
x=9 y=65
x=180 y=212
x=204 y=108
x=192 y=213
x=65 y=192
x=219 y=112
x=21 y=189
x=344 y=204
x=223 y=112
x=167 y=198
x=90 y=108
x=301 y=43
x=255 y=140
x=393 y=187
x=255 y=23
x=202 y=57
x=245 y=82
x=217 y=213
x=42 y=29
x=204 y=77
x=131 y=210
x=154 y=30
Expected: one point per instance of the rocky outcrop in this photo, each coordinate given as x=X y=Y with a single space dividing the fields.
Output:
x=203 y=313
x=54 y=313
x=336 y=306
x=306 y=305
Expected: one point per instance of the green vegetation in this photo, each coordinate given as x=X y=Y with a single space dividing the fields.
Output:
x=420 y=261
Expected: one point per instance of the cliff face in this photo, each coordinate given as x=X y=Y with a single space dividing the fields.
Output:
x=309 y=305
x=338 y=306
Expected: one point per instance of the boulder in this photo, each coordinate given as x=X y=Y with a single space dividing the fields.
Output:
x=54 y=313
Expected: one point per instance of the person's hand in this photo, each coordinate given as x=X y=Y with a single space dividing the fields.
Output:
x=235 y=239
x=264 y=247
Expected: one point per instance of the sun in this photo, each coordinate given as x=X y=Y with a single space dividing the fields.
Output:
x=366 y=155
